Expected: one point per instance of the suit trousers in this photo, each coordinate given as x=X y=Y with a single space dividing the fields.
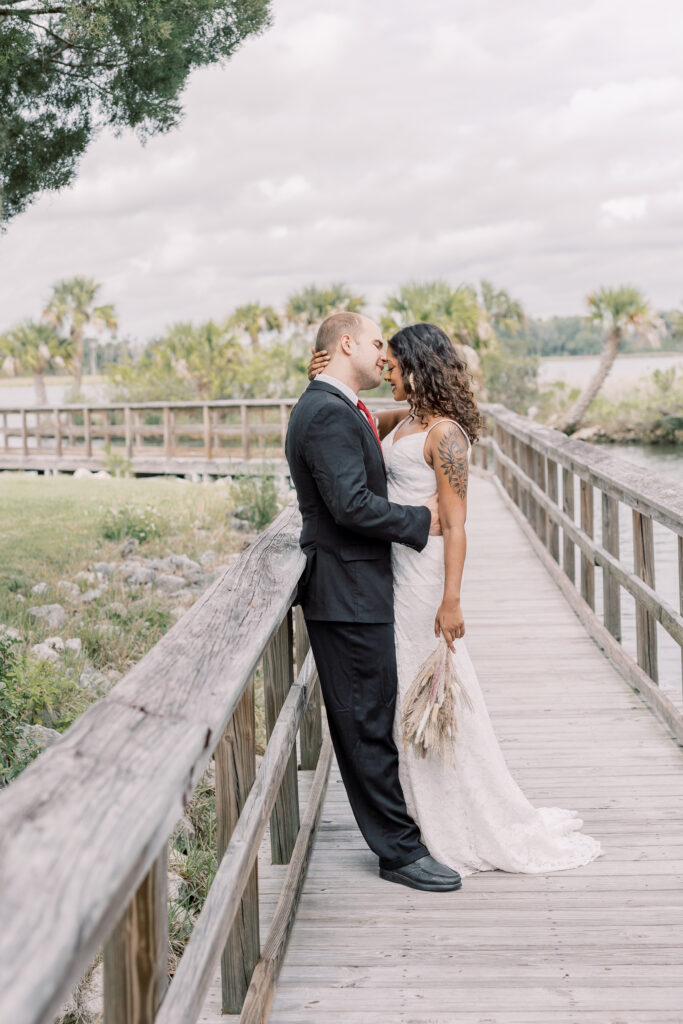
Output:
x=356 y=663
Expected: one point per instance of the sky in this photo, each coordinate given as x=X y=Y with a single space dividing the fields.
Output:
x=536 y=143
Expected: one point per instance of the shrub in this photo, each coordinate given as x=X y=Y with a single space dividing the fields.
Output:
x=141 y=522
x=255 y=500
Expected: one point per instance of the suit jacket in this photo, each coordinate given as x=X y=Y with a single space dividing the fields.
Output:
x=348 y=523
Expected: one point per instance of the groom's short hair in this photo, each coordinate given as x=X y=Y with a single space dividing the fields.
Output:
x=334 y=328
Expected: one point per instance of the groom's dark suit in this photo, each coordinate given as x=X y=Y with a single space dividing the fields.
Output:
x=346 y=596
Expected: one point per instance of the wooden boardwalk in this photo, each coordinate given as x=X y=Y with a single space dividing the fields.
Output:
x=594 y=945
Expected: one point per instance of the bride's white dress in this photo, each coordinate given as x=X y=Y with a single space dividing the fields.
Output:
x=472 y=814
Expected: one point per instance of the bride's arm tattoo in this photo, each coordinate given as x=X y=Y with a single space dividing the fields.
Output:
x=453 y=459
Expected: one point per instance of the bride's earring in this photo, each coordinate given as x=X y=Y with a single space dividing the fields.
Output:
x=411 y=380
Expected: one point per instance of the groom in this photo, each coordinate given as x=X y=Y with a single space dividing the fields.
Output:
x=346 y=590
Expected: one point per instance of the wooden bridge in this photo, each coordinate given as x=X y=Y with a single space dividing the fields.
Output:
x=584 y=721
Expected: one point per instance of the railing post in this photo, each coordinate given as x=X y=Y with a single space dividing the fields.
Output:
x=541 y=514
x=58 y=432
x=235 y=772
x=136 y=953
x=24 y=433
x=552 y=529
x=587 y=567
x=128 y=428
x=244 y=419
x=206 y=413
x=278 y=670
x=87 y=434
x=644 y=566
x=568 y=560
x=168 y=437
x=311 y=727
x=284 y=420
x=610 y=587
x=680 y=588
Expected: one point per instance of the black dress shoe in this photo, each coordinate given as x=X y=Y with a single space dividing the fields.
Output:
x=424 y=873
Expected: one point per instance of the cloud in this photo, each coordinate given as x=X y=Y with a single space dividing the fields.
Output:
x=533 y=144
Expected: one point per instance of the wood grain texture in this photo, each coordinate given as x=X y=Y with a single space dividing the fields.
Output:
x=235 y=772
x=595 y=945
x=194 y=974
x=136 y=953
x=311 y=728
x=644 y=567
x=278 y=671
x=81 y=827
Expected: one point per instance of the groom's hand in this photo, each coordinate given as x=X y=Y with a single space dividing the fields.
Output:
x=433 y=506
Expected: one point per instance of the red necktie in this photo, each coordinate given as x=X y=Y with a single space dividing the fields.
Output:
x=364 y=409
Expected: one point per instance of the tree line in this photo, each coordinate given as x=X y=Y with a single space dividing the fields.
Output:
x=257 y=350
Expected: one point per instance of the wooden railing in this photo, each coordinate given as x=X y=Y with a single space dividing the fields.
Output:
x=537 y=469
x=84 y=830
x=149 y=430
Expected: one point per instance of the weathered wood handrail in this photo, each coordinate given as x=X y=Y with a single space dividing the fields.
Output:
x=83 y=831
x=152 y=430
x=526 y=462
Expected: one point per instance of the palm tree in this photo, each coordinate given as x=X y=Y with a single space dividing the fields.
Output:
x=618 y=311
x=32 y=348
x=503 y=312
x=253 y=319
x=312 y=305
x=454 y=310
x=72 y=307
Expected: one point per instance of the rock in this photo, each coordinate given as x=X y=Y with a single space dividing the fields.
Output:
x=207 y=558
x=131 y=545
x=102 y=474
x=41 y=652
x=55 y=642
x=170 y=584
x=239 y=525
x=175 y=884
x=73 y=645
x=92 y=595
x=91 y=996
x=40 y=589
x=113 y=675
x=138 y=576
x=70 y=590
x=117 y=608
x=9 y=633
x=184 y=563
x=20 y=598
x=82 y=474
x=37 y=736
x=178 y=612
x=53 y=615
x=177 y=861
x=160 y=564
x=103 y=570
x=182 y=835
x=85 y=576
x=95 y=681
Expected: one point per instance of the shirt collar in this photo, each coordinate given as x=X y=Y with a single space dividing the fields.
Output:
x=339 y=385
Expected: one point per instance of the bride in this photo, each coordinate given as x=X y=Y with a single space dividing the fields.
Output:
x=472 y=814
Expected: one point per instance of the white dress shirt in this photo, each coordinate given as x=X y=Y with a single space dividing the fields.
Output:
x=339 y=385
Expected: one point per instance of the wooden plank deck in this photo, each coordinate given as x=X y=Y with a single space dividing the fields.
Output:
x=597 y=945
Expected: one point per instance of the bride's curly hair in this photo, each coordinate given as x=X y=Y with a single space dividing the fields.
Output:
x=434 y=376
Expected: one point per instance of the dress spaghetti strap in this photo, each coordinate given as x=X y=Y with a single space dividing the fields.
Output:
x=447 y=420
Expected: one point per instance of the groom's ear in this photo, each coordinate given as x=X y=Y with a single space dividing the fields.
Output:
x=345 y=343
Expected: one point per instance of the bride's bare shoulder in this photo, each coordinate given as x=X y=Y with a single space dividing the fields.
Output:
x=387 y=419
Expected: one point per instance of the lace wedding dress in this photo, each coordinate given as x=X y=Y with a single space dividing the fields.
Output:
x=472 y=814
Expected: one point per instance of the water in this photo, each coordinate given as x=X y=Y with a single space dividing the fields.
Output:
x=22 y=393
x=627 y=371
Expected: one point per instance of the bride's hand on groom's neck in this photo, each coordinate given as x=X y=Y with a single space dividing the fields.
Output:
x=318 y=363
